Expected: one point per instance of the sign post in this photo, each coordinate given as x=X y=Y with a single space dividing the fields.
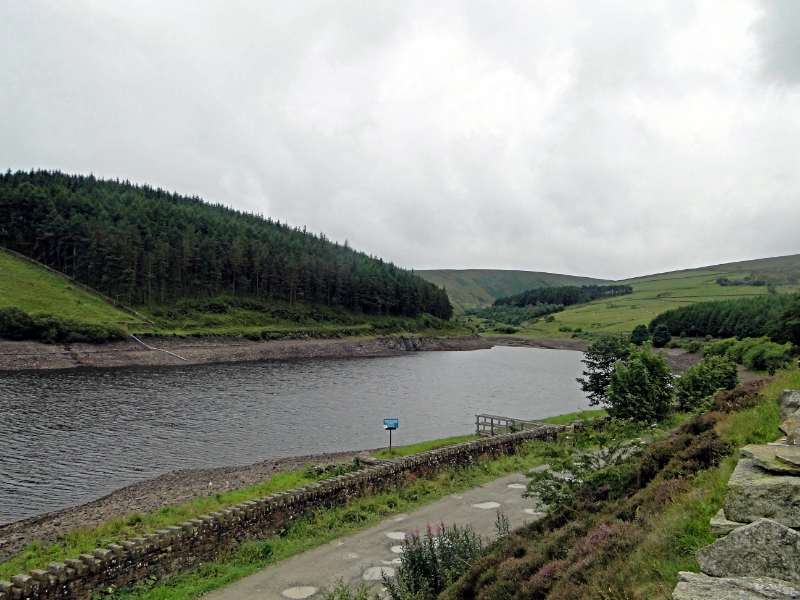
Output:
x=391 y=425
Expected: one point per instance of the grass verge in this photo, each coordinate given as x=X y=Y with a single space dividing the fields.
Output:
x=423 y=446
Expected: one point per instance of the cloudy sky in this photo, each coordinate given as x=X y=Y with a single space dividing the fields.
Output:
x=603 y=138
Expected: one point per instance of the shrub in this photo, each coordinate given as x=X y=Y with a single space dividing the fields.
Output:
x=639 y=335
x=661 y=336
x=694 y=346
x=432 y=561
x=640 y=388
x=696 y=387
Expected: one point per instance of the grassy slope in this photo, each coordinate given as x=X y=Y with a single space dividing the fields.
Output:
x=469 y=288
x=654 y=294
x=35 y=290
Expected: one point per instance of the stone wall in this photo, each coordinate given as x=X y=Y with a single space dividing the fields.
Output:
x=183 y=547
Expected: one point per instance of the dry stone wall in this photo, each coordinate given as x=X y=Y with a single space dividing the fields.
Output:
x=181 y=548
x=759 y=557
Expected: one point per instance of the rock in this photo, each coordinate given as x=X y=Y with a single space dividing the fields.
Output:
x=761 y=549
x=791 y=423
x=754 y=493
x=696 y=586
x=722 y=526
x=789 y=402
x=766 y=457
x=792 y=458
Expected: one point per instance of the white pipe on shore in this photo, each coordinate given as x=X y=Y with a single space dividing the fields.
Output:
x=159 y=349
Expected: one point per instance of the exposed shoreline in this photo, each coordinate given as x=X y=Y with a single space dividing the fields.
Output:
x=28 y=356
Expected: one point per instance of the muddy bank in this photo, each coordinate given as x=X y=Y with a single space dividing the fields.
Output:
x=18 y=356
x=173 y=488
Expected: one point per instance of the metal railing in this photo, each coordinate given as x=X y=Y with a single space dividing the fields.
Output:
x=496 y=425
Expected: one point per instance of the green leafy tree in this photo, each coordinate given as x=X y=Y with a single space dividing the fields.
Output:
x=696 y=387
x=600 y=359
x=661 y=336
x=641 y=387
x=640 y=335
x=787 y=328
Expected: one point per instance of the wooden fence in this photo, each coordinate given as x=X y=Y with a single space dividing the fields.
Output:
x=495 y=425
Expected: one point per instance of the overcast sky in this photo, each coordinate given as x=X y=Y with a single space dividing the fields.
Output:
x=599 y=138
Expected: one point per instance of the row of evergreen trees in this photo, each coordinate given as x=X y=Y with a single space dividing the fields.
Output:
x=741 y=318
x=566 y=295
x=146 y=246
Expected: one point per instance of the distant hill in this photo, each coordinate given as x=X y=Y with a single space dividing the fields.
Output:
x=474 y=288
x=654 y=294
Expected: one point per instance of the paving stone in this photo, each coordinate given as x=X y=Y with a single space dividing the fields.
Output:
x=754 y=493
x=697 y=586
x=722 y=526
x=766 y=457
x=761 y=549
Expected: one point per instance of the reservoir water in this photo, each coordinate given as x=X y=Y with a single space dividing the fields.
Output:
x=73 y=436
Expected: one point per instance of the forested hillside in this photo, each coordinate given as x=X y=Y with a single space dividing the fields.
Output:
x=742 y=317
x=567 y=295
x=144 y=246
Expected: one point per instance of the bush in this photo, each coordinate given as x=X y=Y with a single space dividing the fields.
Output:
x=639 y=335
x=432 y=561
x=757 y=354
x=694 y=346
x=640 y=388
x=661 y=336
x=698 y=384
x=16 y=324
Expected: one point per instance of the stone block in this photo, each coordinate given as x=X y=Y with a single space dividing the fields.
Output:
x=776 y=459
x=40 y=575
x=722 y=526
x=761 y=549
x=697 y=586
x=754 y=493
x=789 y=402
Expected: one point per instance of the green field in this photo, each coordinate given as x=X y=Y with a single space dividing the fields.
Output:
x=655 y=294
x=27 y=286
x=473 y=288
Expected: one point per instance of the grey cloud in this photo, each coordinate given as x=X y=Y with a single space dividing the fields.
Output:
x=777 y=32
x=604 y=139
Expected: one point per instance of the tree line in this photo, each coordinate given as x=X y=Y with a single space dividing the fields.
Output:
x=566 y=295
x=146 y=246
x=742 y=317
x=514 y=315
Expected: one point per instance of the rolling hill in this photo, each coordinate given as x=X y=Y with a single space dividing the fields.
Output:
x=474 y=288
x=654 y=294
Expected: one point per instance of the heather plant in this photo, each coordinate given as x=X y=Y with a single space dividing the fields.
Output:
x=433 y=560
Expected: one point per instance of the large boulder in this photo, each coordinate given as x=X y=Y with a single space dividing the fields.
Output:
x=754 y=493
x=696 y=586
x=761 y=549
x=789 y=402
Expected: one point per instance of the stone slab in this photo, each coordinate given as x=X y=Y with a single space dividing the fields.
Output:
x=697 y=586
x=761 y=549
x=766 y=457
x=754 y=493
x=789 y=402
x=722 y=526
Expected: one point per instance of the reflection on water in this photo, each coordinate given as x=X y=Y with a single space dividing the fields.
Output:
x=73 y=436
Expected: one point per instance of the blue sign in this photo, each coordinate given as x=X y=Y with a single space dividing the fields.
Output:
x=390 y=423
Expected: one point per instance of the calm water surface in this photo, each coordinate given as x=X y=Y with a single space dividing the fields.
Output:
x=74 y=436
